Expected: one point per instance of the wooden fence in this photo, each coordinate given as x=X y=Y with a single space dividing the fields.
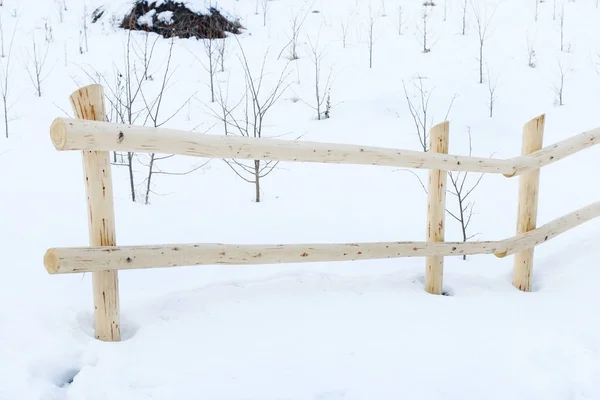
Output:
x=96 y=138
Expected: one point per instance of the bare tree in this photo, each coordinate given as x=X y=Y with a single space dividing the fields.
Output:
x=2 y=38
x=559 y=86
x=222 y=49
x=536 y=10
x=492 y=93
x=461 y=192
x=265 y=9
x=445 y=10
x=144 y=53
x=464 y=6
x=344 y=28
x=483 y=23
x=371 y=29
x=153 y=109
x=296 y=23
x=124 y=98
x=85 y=27
x=419 y=109
x=554 y=10
x=35 y=67
x=251 y=122
x=5 y=69
x=562 y=28
x=400 y=20
x=212 y=49
x=322 y=89
x=424 y=30
x=61 y=7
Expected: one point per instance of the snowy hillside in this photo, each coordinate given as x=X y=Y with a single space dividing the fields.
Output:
x=324 y=331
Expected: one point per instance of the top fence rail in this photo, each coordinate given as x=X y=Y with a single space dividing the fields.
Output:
x=77 y=134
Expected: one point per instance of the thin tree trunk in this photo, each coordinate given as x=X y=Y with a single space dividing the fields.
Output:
x=150 y=167
x=130 y=167
x=481 y=63
x=257 y=180
x=6 y=117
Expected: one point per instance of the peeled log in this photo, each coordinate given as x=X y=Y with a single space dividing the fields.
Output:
x=88 y=259
x=73 y=134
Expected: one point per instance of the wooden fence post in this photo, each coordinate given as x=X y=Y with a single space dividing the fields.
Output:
x=529 y=184
x=88 y=103
x=436 y=209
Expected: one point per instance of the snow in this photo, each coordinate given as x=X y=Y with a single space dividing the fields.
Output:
x=324 y=331
x=147 y=19
x=165 y=17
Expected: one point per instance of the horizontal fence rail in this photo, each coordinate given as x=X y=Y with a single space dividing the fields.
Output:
x=76 y=134
x=91 y=259
x=104 y=258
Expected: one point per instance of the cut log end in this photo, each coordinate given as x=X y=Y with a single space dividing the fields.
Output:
x=51 y=261
x=501 y=254
x=58 y=133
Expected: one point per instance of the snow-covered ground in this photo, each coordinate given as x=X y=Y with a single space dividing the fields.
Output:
x=359 y=330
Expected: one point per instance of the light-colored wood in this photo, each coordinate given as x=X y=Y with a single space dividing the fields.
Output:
x=84 y=259
x=556 y=152
x=69 y=134
x=92 y=259
x=436 y=209
x=88 y=103
x=529 y=183
x=549 y=231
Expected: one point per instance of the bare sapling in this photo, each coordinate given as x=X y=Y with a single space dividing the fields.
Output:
x=483 y=24
x=265 y=9
x=464 y=6
x=445 y=10
x=36 y=66
x=562 y=28
x=85 y=28
x=536 y=13
x=144 y=53
x=370 y=33
x=124 y=98
x=344 y=30
x=559 y=86
x=554 y=10
x=296 y=23
x=5 y=69
x=492 y=84
x=60 y=8
x=2 y=38
x=424 y=30
x=211 y=50
x=461 y=190
x=400 y=20
x=251 y=121
x=419 y=109
x=222 y=50
x=153 y=109
x=322 y=103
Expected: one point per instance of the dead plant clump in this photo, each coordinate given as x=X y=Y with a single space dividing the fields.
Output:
x=171 y=18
